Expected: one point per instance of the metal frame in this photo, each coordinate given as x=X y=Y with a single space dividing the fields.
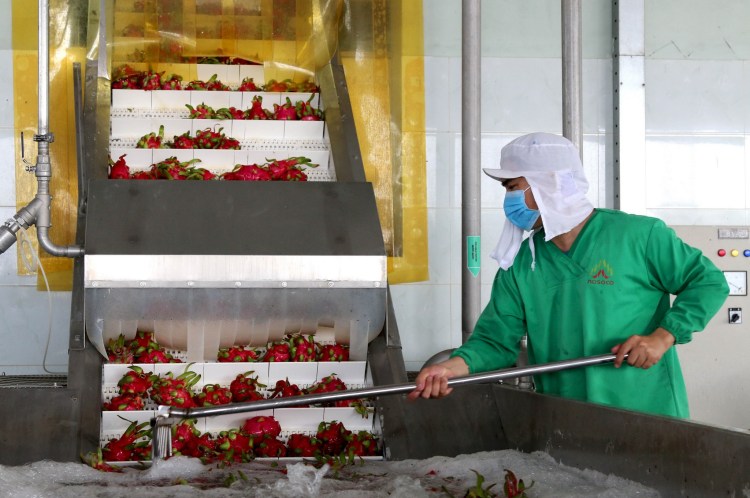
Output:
x=471 y=159
x=629 y=112
x=572 y=68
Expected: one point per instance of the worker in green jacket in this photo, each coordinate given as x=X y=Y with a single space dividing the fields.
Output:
x=584 y=282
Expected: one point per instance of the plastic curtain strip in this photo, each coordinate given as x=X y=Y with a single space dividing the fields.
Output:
x=383 y=59
x=382 y=51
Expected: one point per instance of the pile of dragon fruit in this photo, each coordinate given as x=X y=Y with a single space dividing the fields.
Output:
x=137 y=387
x=302 y=110
x=125 y=77
x=171 y=168
x=258 y=437
x=144 y=348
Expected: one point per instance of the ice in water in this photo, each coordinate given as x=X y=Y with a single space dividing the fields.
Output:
x=437 y=476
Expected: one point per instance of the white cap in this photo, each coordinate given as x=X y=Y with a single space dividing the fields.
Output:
x=536 y=152
x=552 y=167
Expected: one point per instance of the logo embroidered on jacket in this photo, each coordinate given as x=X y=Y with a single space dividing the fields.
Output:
x=601 y=274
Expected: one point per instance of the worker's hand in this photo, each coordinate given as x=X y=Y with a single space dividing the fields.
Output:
x=432 y=381
x=644 y=351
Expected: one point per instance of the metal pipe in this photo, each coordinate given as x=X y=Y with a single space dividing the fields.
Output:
x=166 y=416
x=42 y=169
x=572 y=73
x=471 y=147
x=371 y=392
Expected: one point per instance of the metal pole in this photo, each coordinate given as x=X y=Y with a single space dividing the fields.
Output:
x=165 y=412
x=43 y=168
x=471 y=165
x=572 y=73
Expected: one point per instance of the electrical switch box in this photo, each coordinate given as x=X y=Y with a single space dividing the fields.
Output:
x=735 y=316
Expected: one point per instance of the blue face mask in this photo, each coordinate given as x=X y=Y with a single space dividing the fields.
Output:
x=516 y=210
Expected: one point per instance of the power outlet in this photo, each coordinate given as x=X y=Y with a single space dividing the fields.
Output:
x=735 y=316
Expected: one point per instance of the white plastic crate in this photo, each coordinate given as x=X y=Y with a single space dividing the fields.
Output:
x=255 y=71
x=301 y=373
x=131 y=99
x=138 y=159
x=170 y=100
x=212 y=98
x=268 y=99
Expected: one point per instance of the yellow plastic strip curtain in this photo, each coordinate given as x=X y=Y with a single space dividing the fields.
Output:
x=382 y=52
x=67 y=41
x=291 y=38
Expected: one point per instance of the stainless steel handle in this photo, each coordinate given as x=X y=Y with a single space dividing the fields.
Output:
x=371 y=392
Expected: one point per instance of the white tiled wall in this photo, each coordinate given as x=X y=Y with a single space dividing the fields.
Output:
x=521 y=93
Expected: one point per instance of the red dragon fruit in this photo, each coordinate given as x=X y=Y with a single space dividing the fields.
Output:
x=201 y=111
x=306 y=111
x=233 y=446
x=277 y=352
x=156 y=356
x=262 y=425
x=289 y=169
x=152 y=140
x=208 y=139
x=125 y=77
x=308 y=87
x=211 y=84
x=285 y=389
x=213 y=395
x=332 y=436
x=286 y=85
x=286 y=111
x=302 y=445
x=278 y=170
x=236 y=354
x=229 y=143
x=333 y=352
x=121 y=449
x=186 y=439
x=303 y=347
x=119 y=170
x=118 y=351
x=142 y=451
x=173 y=82
x=184 y=141
x=247 y=172
x=171 y=391
x=202 y=174
x=248 y=85
x=142 y=175
x=513 y=487
x=245 y=386
x=172 y=169
x=295 y=175
x=229 y=113
x=269 y=447
x=257 y=111
x=361 y=444
x=143 y=339
x=327 y=384
x=152 y=80
x=95 y=459
x=125 y=402
x=136 y=381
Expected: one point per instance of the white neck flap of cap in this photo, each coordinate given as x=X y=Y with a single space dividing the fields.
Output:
x=553 y=169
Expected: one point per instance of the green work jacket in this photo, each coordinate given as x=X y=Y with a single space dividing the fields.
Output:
x=615 y=281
